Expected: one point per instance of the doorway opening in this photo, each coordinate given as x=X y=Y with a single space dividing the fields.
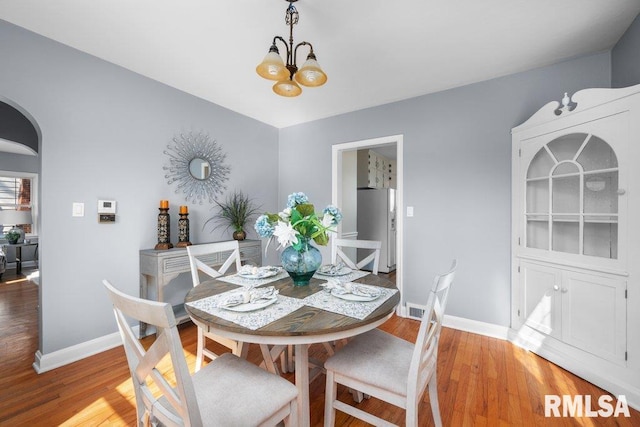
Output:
x=344 y=189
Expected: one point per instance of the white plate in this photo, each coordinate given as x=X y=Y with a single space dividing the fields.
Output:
x=262 y=273
x=342 y=272
x=252 y=306
x=352 y=297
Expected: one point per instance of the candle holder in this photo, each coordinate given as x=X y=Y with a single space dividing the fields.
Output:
x=164 y=229
x=183 y=228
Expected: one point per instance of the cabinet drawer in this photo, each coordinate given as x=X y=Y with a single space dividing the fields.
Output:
x=249 y=253
x=180 y=264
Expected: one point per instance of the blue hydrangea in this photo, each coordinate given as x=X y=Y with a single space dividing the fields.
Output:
x=335 y=212
x=263 y=227
x=296 y=199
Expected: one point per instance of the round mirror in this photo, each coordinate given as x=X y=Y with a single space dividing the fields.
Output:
x=199 y=168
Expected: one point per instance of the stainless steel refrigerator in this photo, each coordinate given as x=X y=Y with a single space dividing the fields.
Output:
x=377 y=221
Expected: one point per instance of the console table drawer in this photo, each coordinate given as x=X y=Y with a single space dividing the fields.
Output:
x=180 y=264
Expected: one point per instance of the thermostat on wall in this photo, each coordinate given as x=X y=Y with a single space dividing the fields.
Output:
x=106 y=211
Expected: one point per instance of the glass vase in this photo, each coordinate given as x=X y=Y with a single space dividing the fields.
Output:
x=302 y=264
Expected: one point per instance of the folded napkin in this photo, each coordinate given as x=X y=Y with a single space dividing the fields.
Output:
x=248 y=296
x=337 y=287
x=331 y=268
x=252 y=270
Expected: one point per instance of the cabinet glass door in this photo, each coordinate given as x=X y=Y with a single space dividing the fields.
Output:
x=572 y=197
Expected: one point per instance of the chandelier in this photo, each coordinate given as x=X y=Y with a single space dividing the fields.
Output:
x=286 y=76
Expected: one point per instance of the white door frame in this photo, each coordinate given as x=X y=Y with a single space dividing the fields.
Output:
x=336 y=195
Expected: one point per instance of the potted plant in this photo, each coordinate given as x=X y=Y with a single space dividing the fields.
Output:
x=234 y=212
x=12 y=236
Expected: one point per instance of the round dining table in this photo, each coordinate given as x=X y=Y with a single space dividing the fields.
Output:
x=300 y=328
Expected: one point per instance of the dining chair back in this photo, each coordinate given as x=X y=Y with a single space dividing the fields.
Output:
x=200 y=256
x=370 y=246
x=379 y=364
x=180 y=402
x=229 y=391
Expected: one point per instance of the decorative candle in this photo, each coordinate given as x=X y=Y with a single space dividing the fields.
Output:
x=164 y=231
x=183 y=228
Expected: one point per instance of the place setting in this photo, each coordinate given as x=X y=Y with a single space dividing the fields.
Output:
x=339 y=271
x=249 y=299
x=252 y=276
x=349 y=298
x=251 y=308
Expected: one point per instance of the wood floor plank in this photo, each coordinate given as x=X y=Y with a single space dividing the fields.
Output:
x=481 y=381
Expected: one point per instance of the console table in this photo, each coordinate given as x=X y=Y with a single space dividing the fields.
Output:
x=158 y=268
x=18 y=248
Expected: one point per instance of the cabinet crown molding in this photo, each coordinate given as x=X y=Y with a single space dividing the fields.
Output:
x=580 y=101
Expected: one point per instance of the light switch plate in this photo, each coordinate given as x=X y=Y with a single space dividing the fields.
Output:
x=409 y=210
x=78 y=209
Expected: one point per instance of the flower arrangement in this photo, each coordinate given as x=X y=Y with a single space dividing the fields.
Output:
x=298 y=223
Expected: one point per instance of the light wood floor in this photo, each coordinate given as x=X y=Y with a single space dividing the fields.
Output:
x=482 y=381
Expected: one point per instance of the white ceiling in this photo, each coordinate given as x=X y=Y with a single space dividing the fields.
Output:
x=374 y=51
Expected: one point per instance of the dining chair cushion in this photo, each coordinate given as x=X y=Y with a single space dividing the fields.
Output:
x=388 y=366
x=234 y=392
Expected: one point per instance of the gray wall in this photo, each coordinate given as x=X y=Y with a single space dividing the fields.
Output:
x=104 y=130
x=625 y=58
x=457 y=172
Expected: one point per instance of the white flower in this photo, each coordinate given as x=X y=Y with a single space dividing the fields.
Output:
x=286 y=234
x=327 y=220
x=285 y=215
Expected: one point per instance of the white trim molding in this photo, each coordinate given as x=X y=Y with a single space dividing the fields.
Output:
x=49 y=361
x=476 y=327
x=336 y=194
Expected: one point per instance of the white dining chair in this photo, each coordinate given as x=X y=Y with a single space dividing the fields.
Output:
x=229 y=391
x=363 y=245
x=379 y=364
x=200 y=259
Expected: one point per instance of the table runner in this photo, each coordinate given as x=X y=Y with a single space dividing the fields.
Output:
x=357 y=309
x=251 y=319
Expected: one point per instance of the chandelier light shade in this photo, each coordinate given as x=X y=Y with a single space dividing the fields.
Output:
x=287 y=75
x=311 y=74
x=287 y=87
x=272 y=67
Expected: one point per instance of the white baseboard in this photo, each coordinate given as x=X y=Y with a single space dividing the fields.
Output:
x=460 y=323
x=476 y=327
x=65 y=356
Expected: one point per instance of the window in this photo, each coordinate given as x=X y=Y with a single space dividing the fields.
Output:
x=16 y=194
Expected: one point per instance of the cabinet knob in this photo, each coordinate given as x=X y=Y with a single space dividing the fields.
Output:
x=556 y=287
x=565 y=290
x=621 y=191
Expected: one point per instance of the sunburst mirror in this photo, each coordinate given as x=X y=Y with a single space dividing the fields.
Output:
x=196 y=167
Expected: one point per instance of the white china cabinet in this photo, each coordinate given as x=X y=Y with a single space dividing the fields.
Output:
x=576 y=236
